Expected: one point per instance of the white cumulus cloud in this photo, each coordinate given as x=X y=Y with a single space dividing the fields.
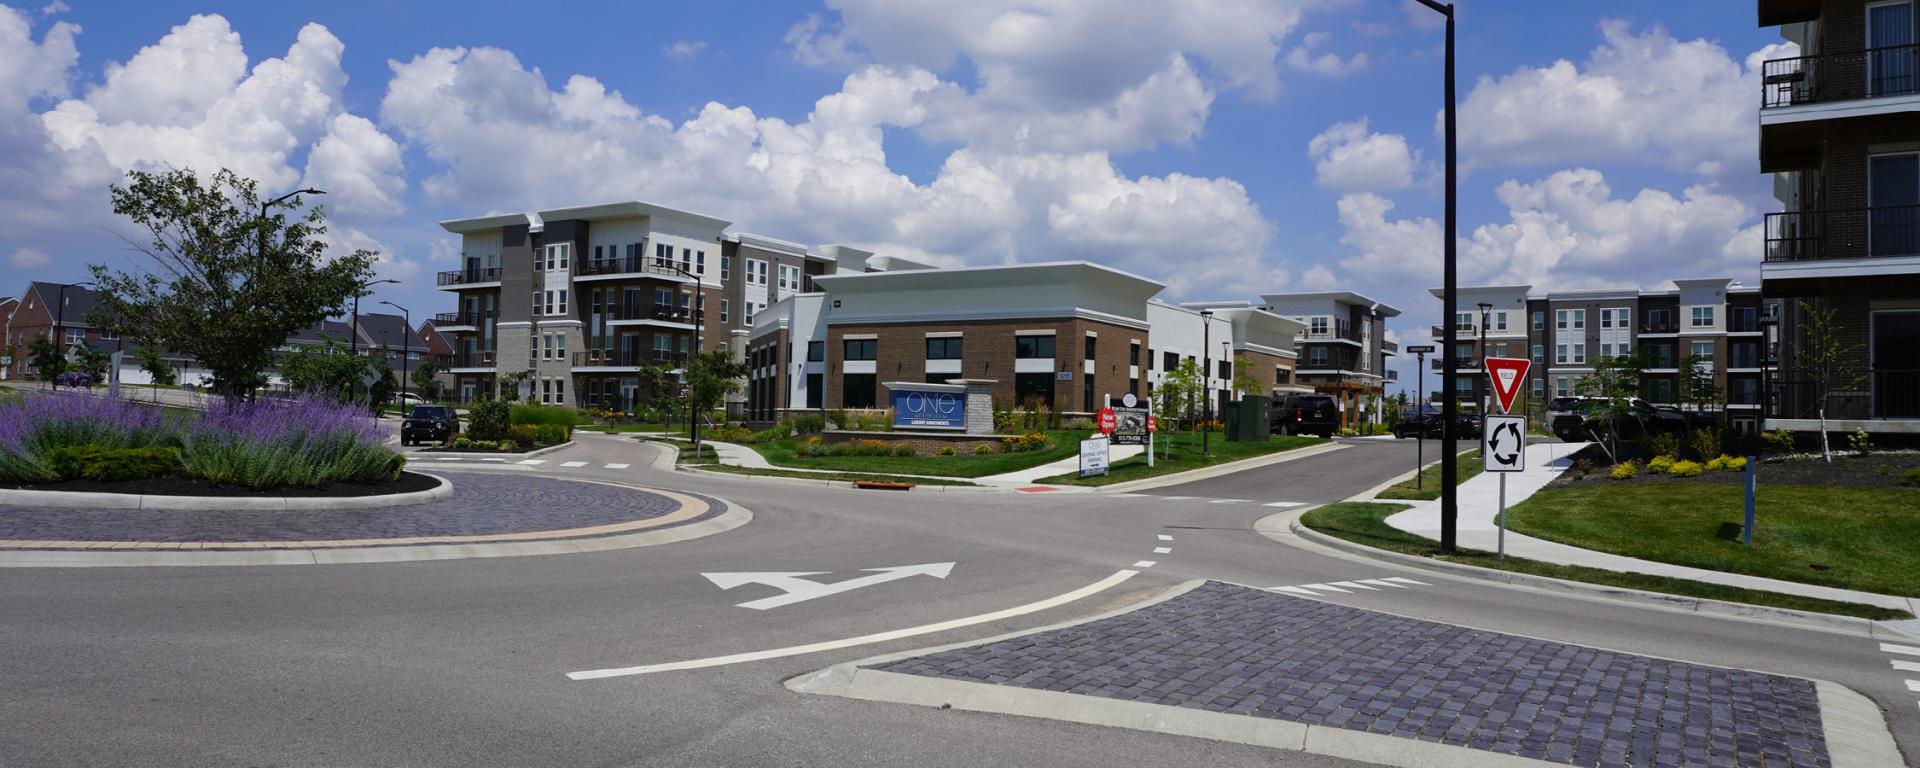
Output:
x=28 y=258
x=1348 y=157
x=682 y=50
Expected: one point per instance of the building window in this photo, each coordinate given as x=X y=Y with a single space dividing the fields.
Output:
x=559 y=390
x=1226 y=370
x=1539 y=388
x=789 y=278
x=1092 y=344
x=1560 y=354
x=109 y=336
x=725 y=306
x=1539 y=321
x=1133 y=354
x=1032 y=347
x=857 y=390
x=859 y=349
x=1580 y=353
x=1170 y=361
x=1463 y=321
x=1133 y=387
x=1562 y=386
x=1702 y=317
x=1317 y=357
x=726 y=268
x=756 y=272
x=1317 y=326
x=753 y=307
x=1703 y=351
x=75 y=335
x=943 y=348
x=1029 y=387
x=1659 y=321
x=816 y=398
x=816 y=351
x=1500 y=320
x=700 y=262
x=546 y=390
x=1086 y=393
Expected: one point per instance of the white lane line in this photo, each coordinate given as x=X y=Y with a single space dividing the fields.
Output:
x=1327 y=588
x=1283 y=504
x=1906 y=666
x=1354 y=585
x=446 y=459
x=1146 y=564
x=573 y=463
x=490 y=458
x=1229 y=501
x=1913 y=685
x=533 y=461
x=1163 y=550
x=1906 y=649
x=1295 y=590
x=879 y=637
x=1405 y=580
x=618 y=466
x=1384 y=583
x=1126 y=495
x=1175 y=498
x=1164 y=537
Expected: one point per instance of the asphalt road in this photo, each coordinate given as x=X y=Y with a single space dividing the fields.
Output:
x=464 y=662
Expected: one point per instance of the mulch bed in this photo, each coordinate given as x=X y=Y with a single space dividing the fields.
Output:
x=185 y=486
x=1879 y=470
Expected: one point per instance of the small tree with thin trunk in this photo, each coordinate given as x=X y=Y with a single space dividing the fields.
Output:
x=1615 y=381
x=1244 y=381
x=48 y=363
x=1827 y=357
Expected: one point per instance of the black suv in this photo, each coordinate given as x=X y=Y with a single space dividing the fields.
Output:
x=1427 y=425
x=1304 y=415
x=429 y=423
x=1575 y=419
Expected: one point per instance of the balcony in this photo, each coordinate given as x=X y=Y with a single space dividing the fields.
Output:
x=461 y=321
x=1843 y=234
x=1389 y=347
x=1664 y=326
x=473 y=358
x=1393 y=375
x=1343 y=333
x=636 y=311
x=640 y=266
x=469 y=276
x=1838 y=77
x=1887 y=394
x=1440 y=331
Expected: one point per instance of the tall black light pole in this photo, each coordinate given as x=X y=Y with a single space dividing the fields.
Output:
x=353 y=326
x=406 y=346
x=1480 y=398
x=1206 y=395
x=1449 y=471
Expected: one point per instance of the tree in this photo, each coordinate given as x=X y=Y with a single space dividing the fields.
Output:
x=1827 y=358
x=91 y=362
x=1697 y=386
x=1616 y=382
x=47 y=360
x=662 y=388
x=710 y=377
x=229 y=284
x=328 y=370
x=156 y=366
x=385 y=386
x=426 y=380
x=510 y=385
x=1180 y=391
x=1244 y=382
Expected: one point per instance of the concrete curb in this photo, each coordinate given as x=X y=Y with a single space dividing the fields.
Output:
x=89 y=500
x=490 y=455
x=1857 y=735
x=729 y=517
x=917 y=488
x=1280 y=525
x=853 y=680
x=1219 y=469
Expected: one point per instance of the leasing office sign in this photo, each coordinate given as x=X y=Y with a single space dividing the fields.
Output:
x=927 y=406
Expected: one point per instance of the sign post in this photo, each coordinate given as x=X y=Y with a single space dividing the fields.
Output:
x=1419 y=432
x=1503 y=447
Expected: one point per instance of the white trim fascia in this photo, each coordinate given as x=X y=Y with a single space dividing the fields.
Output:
x=995 y=314
x=1034 y=332
x=1868 y=107
x=1266 y=350
x=512 y=325
x=858 y=336
x=468 y=286
x=486 y=369
x=604 y=369
x=648 y=322
x=945 y=334
x=1866 y=266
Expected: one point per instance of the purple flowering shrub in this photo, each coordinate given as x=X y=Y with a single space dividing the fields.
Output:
x=264 y=444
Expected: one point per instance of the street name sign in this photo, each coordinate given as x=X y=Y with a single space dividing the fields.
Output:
x=1507 y=374
x=1504 y=444
x=1422 y=349
x=797 y=590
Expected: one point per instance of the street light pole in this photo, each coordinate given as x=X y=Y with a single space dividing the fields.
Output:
x=353 y=327
x=1449 y=471
x=60 y=323
x=1480 y=398
x=1206 y=396
x=406 y=346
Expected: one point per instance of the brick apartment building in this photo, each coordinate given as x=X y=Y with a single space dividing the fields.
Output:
x=1343 y=348
x=1840 y=131
x=1714 y=321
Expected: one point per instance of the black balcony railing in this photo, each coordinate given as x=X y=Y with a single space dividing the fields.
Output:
x=1667 y=326
x=446 y=319
x=1883 y=394
x=1892 y=230
x=1831 y=77
x=625 y=266
x=641 y=310
x=1743 y=319
x=473 y=358
x=465 y=276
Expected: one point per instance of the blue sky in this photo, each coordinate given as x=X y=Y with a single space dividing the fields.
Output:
x=1216 y=146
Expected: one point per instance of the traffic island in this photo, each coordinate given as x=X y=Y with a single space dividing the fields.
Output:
x=1233 y=663
x=481 y=515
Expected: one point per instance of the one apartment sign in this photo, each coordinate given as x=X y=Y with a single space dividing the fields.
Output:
x=1507 y=374
x=928 y=406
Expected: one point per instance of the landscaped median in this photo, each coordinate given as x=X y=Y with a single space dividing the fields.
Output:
x=807 y=452
x=1365 y=524
x=1181 y=452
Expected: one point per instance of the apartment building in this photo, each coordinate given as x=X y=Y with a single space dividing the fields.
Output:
x=1343 y=348
x=1714 y=322
x=1840 y=131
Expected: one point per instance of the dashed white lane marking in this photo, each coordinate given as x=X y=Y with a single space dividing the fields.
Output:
x=1354 y=585
x=1384 y=583
x=618 y=466
x=573 y=463
x=490 y=458
x=1282 y=504
x=1228 y=501
x=1175 y=498
x=1296 y=590
x=1146 y=564
x=1913 y=685
x=1162 y=550
x=1906 y=666
x=1405 y=580
x=534 y=461
x=1127 y=495
x=880 y=637
x=1328 y=588
x=446 y=459
x=1906 y=649
x=1164 y=537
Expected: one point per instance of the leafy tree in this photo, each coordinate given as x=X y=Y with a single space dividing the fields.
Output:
x=1616 y=382
x=230 y=283
x=1244 y=381
x=380 y=393
x=426 y=381
x=156 y=366
x=710 y=377
x=48 y=362
x=510 y=384
x=662 y=388
x=91 y=362
x=1828 y=358
x=1179 y=394
x=329 y=370
x=1697 y=387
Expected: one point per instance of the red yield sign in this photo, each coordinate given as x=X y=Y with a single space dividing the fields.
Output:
x=1508 y=375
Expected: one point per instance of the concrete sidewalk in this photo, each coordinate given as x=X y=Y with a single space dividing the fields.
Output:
x=1477 y=528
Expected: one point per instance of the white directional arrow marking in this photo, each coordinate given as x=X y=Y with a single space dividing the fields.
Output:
x=799 y=589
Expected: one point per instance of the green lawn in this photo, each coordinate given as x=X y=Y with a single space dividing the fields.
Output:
x=1429 y=486
x=1181 y=453
x=850 y=477
x=1066 y=444
x=1364 y=523
x=1853 y=538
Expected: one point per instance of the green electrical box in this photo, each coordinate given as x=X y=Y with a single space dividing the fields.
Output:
x=1247 y=419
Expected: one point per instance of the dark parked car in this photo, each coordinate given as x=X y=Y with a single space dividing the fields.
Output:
x=429 y=423
x=1304 y=415
x=1428 y=425
x=1586 y=418
x=74 y=379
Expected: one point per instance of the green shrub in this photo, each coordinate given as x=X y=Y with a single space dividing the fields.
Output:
x=1079 y=423
x=103 y=463
x=946 y=450
x=534 y=413
x=488 y=420
x=1665 y=444
x=1860 y=442
x=1685 y=469
x=731 y=433
x=522 y=434
x=839 y=419
x=1661 y=464
x=1705 y=442
x=551 y=434
x=1911 y=478
x=1717 y=463
x=1733 y=463
x=983 y=449
x=776 y=432
x=1777 y=441
x=904 y=449
x=1624 y=470
x=806 y=425
x=1031 y=441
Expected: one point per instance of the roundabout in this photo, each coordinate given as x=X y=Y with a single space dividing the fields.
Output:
x=477 y=515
